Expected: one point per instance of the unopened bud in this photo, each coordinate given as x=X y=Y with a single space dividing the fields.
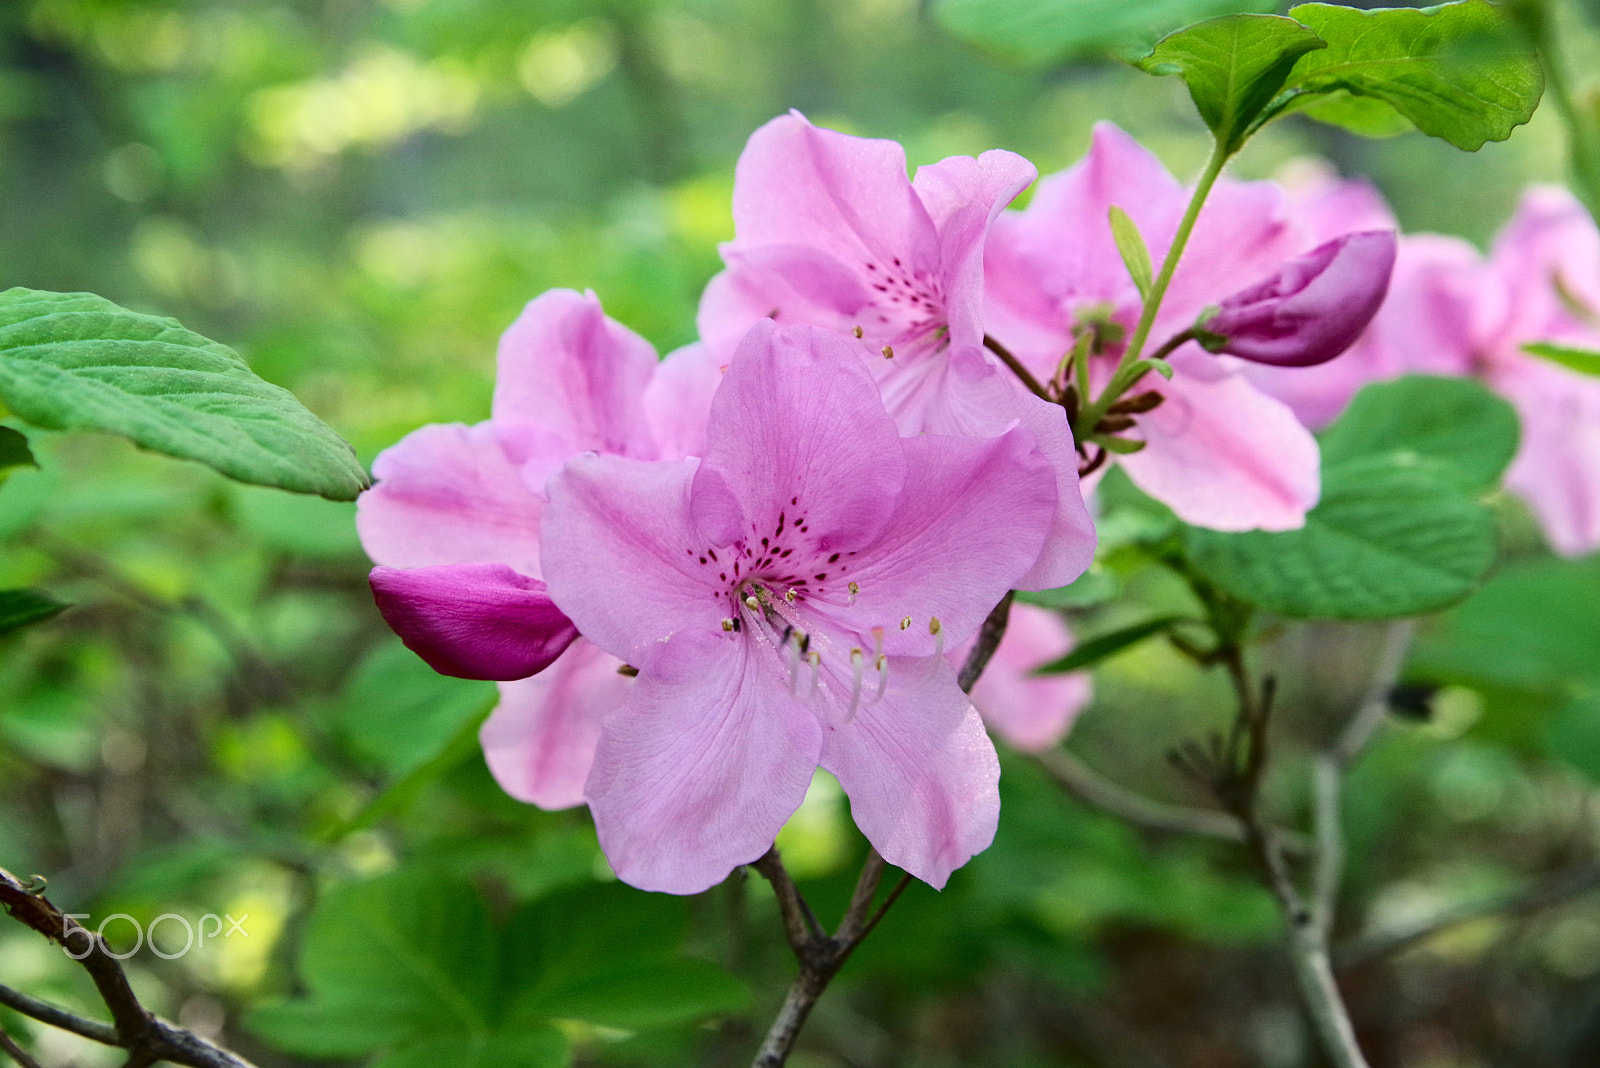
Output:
x=1312 y=308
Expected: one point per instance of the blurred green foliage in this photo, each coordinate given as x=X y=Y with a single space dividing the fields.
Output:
x=359 y=195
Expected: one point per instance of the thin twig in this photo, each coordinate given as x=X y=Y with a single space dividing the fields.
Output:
x=1238 y=785
x=146 y=1037
x=1375 y=705
x=16 y=1052
x=990 y=635
x=1555 y=891
x=1022 y=373
x=55 y=1016
x=820 y=955
x=1092 y=788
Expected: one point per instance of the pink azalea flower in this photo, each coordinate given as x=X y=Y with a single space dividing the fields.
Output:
x=1548 y=261
x=1031 y=712
x=831 y=233
x=1220 y=452
x=1450 y=311
x=455 y=516
x=786 y=601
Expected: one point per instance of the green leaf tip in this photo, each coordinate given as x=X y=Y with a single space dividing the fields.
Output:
x=76 y=361
x=1135 y=253
x=1234 y=66
x=1584 y=361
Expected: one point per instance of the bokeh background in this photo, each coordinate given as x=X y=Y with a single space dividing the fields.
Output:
x=359 y=195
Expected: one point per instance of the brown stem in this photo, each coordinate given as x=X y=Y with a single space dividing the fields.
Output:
x=1238 y=785
x=1025 y=375
x=55 y=1016
x=990 y=635
x=16 y=1052
x=820 y=955
x=146 y=1037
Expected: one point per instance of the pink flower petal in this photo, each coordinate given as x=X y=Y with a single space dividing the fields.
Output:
x=622 y=558
x=848 y=197
x=972 y=519
x=1224 y=455
x=799 y=436
x=1031 y=712
x=702 y=767
x=963 y=196
x=677 y=402
x=920 y=772
x=570 y=380
x=540 y=741
x=447 y=494
x=965 y=394
x=473 y=621
x=1557 y=468
x=1551 y=238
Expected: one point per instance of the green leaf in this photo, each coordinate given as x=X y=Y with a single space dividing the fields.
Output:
x=1454 y=421
x=1457 y=71
x=24 y=607
x=1233 y=66
x=75 y=361
x=1135 y=254
x=1036 y=32
x=1364 y=115
x=540 y=1047
x=1533 y=628
x=637 y=993
x=14 y=451
x=1573 y=735
x=1394 y=535
x=397 y=958
x=400 y=713
x=1091 y=652
x=1584 y=361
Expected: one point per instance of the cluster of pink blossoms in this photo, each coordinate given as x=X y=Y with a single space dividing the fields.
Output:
x=790 y=530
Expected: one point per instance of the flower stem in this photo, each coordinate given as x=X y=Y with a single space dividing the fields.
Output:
x=1007 y=358
x=1127 y=373
x=820 y=955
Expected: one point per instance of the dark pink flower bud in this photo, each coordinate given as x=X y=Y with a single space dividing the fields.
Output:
x=1312 y=308
x=473 y=621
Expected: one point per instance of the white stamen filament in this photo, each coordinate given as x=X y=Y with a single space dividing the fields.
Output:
x=935 y=629
x=816 y=671
x=791 y=661
x=857 y=660
x=883 y=677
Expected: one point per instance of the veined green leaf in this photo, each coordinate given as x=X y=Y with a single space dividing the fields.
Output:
x=75 y=361
x=1458 y=71
x=1234 y=66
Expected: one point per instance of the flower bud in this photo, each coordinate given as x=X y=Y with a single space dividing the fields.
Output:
x=1312 y=308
